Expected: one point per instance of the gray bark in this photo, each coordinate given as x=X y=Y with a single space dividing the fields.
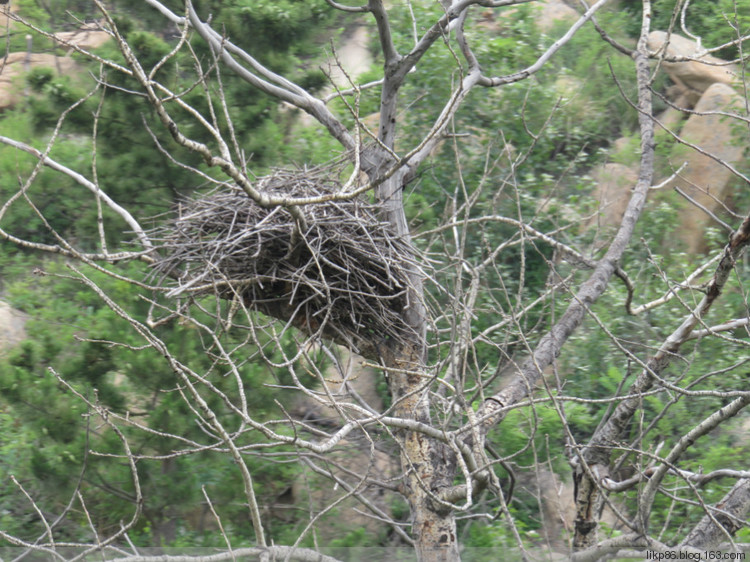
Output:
x=723 y=521
x=597 y=454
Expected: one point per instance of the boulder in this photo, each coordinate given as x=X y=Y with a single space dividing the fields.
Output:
x=12 y=324
x=88 y=37
x=17 y=64
x=704 y=179
x=697 y=74
x=614 y=185
x=553 y=11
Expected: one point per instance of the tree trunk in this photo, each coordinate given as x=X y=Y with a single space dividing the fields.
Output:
x=715 y=528
x=428 y=466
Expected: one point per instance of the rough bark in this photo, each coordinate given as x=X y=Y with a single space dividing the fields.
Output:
x=727 y=517
x=597 y=454
x=429 y=466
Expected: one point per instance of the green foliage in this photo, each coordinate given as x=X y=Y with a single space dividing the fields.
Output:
x=486 y=540
x=147 y=47
x=39 y=77
x=598 y=366
x=72 y=332
x=716 y=22
x=130 y=168
x=67 y=207
x=47 y=431
x=16 y=448
x=349 y=546
x=274 y=25
x=33 y=12
x=137 y=175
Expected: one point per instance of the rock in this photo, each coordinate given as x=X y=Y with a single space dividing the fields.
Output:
x=553 y=11
x=704 y=179
x=12 y=324
x=17 y=64
x=362 y=381
x=696 y=74
x=90 y=36
x=673 y=117
x=614 y=185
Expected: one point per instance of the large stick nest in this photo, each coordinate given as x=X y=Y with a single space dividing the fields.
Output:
x=345 y=277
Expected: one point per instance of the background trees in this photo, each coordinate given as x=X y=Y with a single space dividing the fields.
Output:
x=546 y=333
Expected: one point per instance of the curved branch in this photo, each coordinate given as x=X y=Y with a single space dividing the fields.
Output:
x=530 y=371
x=80 y=179
x=269 y=82
x=350 y=9
x=711 y=422
x=384 y=32
x=541 y=61
x=713 y=527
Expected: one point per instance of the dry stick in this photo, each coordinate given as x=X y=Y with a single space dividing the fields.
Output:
x=103 y=413
x=92 y=527
x=47 y=528
x=705 y=209
x=94 y=169
x=648 y=494
x=696 y=478
x=181 y=372
x=715 y=525
x=218 y=521
x=409 y=424
x=80 y=179
x=672 y=293
x=209 y=157
x=530 y=371
x=269 y=82
x=350 y=266
x=610 y=432
x=350 y=491
x=726 y=326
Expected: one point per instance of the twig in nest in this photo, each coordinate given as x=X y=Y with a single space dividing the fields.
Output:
x=343 y=277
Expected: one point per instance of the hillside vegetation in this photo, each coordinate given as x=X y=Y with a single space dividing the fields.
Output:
x=559 y=153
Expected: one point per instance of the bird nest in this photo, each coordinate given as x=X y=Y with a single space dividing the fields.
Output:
x=344 y=276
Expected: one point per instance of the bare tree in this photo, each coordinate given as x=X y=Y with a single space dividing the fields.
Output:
x=307 y=249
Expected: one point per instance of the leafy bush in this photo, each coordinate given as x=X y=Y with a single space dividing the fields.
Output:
x=712 y=21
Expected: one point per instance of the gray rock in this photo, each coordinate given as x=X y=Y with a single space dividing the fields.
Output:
x=696 y=74
x=12 y=324
x=704 y=179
